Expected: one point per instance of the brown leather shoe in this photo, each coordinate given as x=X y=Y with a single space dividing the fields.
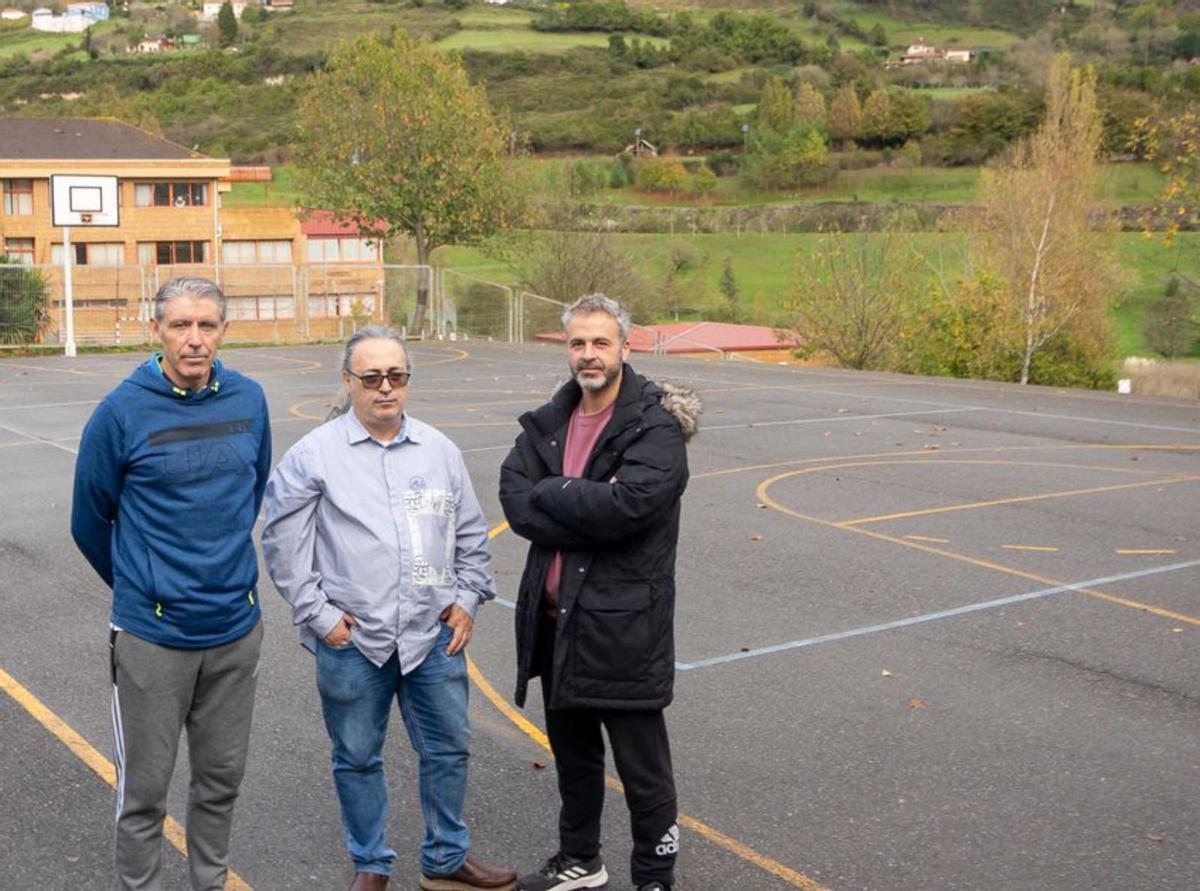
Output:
x=471 y=875
x=369 y=881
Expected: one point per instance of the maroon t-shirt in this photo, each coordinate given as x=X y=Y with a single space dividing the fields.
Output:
x=582 y=433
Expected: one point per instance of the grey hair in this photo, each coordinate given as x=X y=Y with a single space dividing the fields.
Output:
x=188 y=286
x=599 y=303
x=373 y=332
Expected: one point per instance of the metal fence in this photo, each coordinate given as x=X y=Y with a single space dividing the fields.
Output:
x=278 y=303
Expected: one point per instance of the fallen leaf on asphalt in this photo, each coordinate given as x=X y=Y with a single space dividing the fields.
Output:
x=761 y=506
x=931 y=447
x=756 y=537
x=886 y=673
x=744 y=649
x=539 y=765
x=1135 y=457
x=1156 y=836
x=915 y=703
x=843 y=411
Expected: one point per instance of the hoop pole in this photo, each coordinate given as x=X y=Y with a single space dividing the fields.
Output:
x=67 y=291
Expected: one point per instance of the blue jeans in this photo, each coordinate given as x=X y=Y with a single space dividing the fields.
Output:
x=356 y=699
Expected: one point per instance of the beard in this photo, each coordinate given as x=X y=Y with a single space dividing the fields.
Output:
x=595 y=384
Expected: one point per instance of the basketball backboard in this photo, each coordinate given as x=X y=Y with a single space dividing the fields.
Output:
x=84 y=200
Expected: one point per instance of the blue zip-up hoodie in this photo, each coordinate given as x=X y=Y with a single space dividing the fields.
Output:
x=167 y=488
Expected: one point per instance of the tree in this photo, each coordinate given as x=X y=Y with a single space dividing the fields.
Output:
x=1036 y=233
x=784 y=161
x=1171 y=324
x=562 y=262
x=776 y=110
x=24 y=302
x=730 y=291
x=891 y=117
x=854 y=296
x=810 y=105
x=227 y=24
x=845 y=114
x=394 y=138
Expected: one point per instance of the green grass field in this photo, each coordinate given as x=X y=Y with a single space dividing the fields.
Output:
x=1120 y=184
x=39 y=44
x=765 y=267
x=280 y=192
x=902 y=32
x=506 y=40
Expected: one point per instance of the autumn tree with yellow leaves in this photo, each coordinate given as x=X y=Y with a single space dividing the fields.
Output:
x=1038 y=233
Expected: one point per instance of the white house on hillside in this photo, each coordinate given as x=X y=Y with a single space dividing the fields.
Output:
x=210 y=11
x=78 y=17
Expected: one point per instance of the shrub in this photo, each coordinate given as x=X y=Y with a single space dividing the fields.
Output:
x=24 y=302
x=660 y=175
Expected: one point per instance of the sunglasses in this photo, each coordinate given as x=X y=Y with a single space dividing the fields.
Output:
x=373 y=380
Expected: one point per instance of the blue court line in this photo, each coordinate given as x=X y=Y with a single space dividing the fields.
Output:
x=932 y=617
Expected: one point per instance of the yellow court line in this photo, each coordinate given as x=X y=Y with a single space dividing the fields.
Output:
x=1128 y=551
x=462 y=354
x=927 y=538
x=775 y=868
x=940 y=455
x=294 y=409
x=1039 y=548
x=1019 y=499
x=312 y=364
x=763 y=497
x=101 y=766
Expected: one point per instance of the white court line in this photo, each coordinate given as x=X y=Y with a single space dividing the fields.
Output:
x=822 y=420
x=48 y=405
x=932 y=617
x=800 y=388
x=42 y=439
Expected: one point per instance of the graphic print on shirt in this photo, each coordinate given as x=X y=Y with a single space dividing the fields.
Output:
x=431 y=515
x=196 y=453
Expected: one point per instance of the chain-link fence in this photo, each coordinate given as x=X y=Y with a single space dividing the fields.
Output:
x=272 y=303
x=281 y=303
x=477 y=307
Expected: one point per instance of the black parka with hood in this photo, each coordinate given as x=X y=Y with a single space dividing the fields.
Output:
x=617 y=528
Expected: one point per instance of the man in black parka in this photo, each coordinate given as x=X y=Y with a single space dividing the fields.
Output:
x=594 y=482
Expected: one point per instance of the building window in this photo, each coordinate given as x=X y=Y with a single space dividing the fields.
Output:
x=342 y=250
x=18 y=197
x=169 y=253
x=259 y=308
x=256 y=251
x=91 y=254
x=20 y=249
x=170 y=194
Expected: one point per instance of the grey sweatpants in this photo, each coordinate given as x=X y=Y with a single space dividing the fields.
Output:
x=158 y=691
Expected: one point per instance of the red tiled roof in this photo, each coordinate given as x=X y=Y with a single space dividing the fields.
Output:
x=320 y=223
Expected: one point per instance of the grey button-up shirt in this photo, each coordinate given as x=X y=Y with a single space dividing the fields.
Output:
x=391 y=533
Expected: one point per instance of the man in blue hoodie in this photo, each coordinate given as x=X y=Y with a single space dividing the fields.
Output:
x=171 y=473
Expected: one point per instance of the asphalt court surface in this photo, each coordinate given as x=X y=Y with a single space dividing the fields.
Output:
x=931 y=635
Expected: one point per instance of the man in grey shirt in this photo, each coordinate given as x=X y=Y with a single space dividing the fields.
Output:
x=375 y=538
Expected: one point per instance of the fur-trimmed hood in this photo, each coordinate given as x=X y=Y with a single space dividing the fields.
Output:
x=681 y=401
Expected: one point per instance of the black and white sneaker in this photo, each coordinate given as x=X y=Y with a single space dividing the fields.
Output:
x=564 y=873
